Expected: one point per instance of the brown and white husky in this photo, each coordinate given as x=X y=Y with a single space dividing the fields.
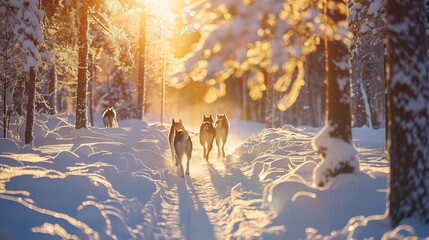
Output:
x=182 y=145
x=222 y=128
x=174 y=125
x=207 y=135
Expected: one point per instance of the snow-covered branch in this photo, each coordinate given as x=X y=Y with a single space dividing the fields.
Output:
x=28 y=30
x=241 y=36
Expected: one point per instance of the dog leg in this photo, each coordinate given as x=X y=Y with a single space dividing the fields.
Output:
x=205 y=151
x=187 y=166
x=209 y=148
x=223 y=150
x=177 y=160
x=218 y=148
x=181 y=166
x=173 y=153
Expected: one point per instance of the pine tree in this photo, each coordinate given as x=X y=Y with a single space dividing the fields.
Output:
x=368 y=75
x=82 y=81
x=121 y=46
x=29 y=33
x=337 y=132
x=141 y=61
x=407 y=102
x=10 y=65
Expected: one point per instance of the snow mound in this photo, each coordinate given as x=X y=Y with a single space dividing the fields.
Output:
x=339 y=156
x=84 y=150
x=8 y=146
x=65 y=159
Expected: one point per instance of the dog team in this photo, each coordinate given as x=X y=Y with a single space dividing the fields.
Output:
x=181 y=143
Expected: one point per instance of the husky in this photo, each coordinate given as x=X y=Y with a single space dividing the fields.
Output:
x=109 y=118
x=182 y=145
x=174 y=125
x=207 y=135
x=222 y=128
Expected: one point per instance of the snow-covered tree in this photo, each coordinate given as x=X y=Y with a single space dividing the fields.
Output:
x=58 y=51
x=11 y=64
x=407 y=102
x=244 y=37
x=123 y=57
x=28 y=32
x=366 y=21
x=82 y=81
x=334 y=141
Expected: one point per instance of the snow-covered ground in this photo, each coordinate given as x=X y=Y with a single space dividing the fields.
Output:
x=120 y=183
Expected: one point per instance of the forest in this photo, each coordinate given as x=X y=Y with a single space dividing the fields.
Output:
x=114 y=70
x=332 y=65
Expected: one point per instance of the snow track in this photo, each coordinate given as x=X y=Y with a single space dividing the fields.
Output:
x=207 y=204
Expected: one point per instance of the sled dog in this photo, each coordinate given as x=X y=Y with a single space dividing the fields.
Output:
x=109 y=118
x=207 y=135
x=182 y=145
x=222 y=128
x=174 y=125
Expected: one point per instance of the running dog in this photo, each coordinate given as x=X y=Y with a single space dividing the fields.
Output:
x=182 y=145
x=174 y=125
x=222 y=128
x=109 y=118
x=207 y=135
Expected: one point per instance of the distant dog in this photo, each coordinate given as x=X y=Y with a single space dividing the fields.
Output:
x=182 y=145
x=222 y=128
x=109 y=118
x=174 y=125
x=207 y=135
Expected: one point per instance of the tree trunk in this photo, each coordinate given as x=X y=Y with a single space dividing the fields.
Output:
x=18 y=95
x=338 y=91
x=269 y=109
x=90 y=89
x=52 y=91
x=337 y=131
x=315 y=72
x=82 y=81
x=5 y=120
x=142 y=79
x=30 y=107
x=408 y=97
x=365 y=103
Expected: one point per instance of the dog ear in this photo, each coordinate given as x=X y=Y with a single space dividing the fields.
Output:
x=180 y=120
x=172 y=121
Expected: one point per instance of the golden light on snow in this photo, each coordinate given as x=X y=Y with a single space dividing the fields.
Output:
x=45 y=228
x=54 y=230
x=303 y=193
x=50 y=229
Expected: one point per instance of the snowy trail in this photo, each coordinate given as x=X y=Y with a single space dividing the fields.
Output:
x=209 y=203
x=192 y=200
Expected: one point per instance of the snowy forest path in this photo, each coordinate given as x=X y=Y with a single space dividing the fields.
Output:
x=192 y=201
x=216 y=200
